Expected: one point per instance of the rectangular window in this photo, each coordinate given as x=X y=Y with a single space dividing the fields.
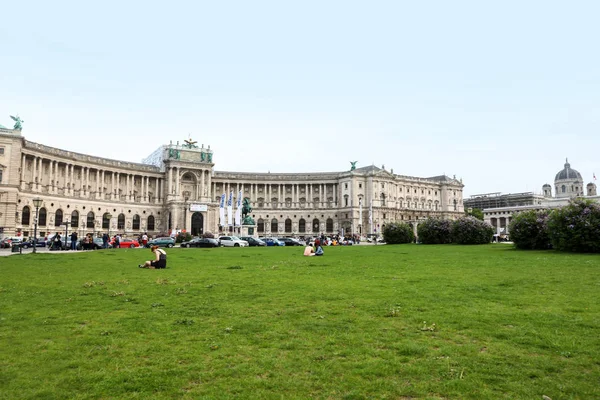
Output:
x=0 y=176
x=1 y=151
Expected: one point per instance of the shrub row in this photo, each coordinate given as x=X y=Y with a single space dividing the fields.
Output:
x=574 y=227
x=465 y=230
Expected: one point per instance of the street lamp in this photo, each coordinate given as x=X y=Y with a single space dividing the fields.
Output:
x=67 y=227
x=37 y=202
x=108 y=217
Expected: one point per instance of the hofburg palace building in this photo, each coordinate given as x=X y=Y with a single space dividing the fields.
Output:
x=178 y=188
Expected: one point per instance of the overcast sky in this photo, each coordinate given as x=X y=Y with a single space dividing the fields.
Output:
x=496 y=94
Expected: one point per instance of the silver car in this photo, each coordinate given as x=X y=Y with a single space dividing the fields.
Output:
x=232 y=241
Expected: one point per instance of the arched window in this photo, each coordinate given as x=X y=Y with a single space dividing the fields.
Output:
x=136 y=222
x=274 y=225
x=151 y=223
x=288 y=225
x=121 y=221
x=260 y=226
x=58 y=218
x=302 y=225
x=105 y=221
x=564 y=188
x=90 y=220
x=329 y=225
x=42 y=217
x=25 y=216
x=315 y=225
x=75 y=219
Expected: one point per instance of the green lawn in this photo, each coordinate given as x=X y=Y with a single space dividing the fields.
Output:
x=397 y=322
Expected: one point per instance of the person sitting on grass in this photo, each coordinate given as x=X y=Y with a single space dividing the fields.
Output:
x=319 y=251
x=309 y=251
x=159 y=262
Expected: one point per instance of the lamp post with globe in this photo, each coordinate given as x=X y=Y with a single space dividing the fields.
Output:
x=37 y=203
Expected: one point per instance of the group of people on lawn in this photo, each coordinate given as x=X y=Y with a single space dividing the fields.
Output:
x=160 y=256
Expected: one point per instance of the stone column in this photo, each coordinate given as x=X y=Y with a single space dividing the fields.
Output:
x=177 y=182
x=72 y=180
x=112 y=185
x=170 y=184
x=51 y=177
x=210 y=193
x=23 y=164
x=33 y=172
x=200 y=195
x=55 y=176
x=98 y=184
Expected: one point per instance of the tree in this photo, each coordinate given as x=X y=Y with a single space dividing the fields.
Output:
x=475 y=212
x=470 y=230
x=397 y=233
x=435 y=231
x=576 y=227
x=529 y=230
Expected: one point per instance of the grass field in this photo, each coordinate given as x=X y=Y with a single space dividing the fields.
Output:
x=398 y=322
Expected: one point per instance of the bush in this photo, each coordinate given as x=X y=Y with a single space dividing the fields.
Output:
x=398 y=232
x=529 y=230
x=435 y=231
x=576 y=227
x=183 y=237
x=209 y=235
x=470 y=230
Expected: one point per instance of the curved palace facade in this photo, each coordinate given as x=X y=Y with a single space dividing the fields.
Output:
x=178 y=188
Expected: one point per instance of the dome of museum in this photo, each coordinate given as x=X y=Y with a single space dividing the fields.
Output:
x=568 y=173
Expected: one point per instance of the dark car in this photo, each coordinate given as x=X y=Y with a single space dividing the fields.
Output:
x=201 y=242
x=162 y=242
x=41 y=242
x=290 y=241
x=272 y=242
x=253 y=241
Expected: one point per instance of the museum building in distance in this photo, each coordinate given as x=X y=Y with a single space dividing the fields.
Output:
x=178 y=188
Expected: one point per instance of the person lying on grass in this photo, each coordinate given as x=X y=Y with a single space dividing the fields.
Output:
x=159 y=262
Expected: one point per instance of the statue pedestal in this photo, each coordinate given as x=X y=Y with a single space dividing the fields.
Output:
x=249 y=230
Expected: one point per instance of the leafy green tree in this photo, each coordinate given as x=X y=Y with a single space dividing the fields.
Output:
x=576 y=227
x=435 y=231
x=475 y=212
x=470 y=230
x=529 y=230
x=397 y=233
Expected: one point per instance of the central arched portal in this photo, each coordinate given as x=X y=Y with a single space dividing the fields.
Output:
x=197 y=224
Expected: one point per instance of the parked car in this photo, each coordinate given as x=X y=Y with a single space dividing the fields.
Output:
x=126 y=243
x=232 y=241
x=162 y=242
x=201 y=242
x=253 y=241
x=11 y=241
x=40 y=242
x=272 y=242
x=291 y=242
x=5 y=243
x=55 y=246
x=97 y=244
